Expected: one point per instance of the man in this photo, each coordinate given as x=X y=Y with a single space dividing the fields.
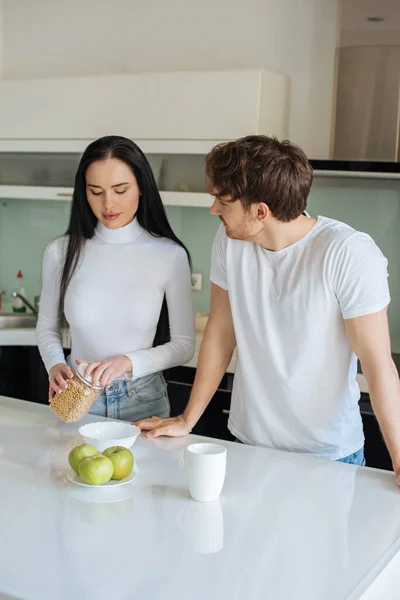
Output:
x=301 y=298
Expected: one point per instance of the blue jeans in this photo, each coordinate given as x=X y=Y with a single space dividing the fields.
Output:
x=133 y=400
x=353 y=459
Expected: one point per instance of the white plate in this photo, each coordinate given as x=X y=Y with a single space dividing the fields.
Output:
x=74 y=478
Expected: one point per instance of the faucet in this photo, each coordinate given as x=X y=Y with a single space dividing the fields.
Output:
x=26 y=302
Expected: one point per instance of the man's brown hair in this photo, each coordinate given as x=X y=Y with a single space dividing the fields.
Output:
x=258 y=168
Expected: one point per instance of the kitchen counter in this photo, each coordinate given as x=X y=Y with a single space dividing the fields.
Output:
x=286 y=526
x=27 y=337
x=22 y=336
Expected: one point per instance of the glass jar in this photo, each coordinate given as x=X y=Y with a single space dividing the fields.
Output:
x=75 y=401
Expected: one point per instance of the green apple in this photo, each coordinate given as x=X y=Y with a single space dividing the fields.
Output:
x=79 y=453
x=96 y=470
x=122 y=459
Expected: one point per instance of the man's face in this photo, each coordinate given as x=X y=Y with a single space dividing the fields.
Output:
x=240 y=224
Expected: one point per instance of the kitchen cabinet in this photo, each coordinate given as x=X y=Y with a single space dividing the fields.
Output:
x=22 y=374
x=376 y=453
x=15 y=372
x=367 y=111
x=154 y=106
x=175 y=118
x=49 y=175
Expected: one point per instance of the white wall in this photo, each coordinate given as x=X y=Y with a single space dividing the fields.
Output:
x=358 y=31
x=48 y=38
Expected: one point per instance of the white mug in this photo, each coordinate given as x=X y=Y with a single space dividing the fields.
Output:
x=205 y=466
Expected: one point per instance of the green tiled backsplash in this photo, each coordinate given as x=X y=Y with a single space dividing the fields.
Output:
x=27 y=225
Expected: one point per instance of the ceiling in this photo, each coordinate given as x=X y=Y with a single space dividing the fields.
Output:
x=355 y=13
x=356 y=30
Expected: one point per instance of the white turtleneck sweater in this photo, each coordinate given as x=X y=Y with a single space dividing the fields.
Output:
x=114 y=299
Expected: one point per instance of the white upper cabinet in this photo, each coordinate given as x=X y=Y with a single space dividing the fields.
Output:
x=175 y=118
x=204 y=105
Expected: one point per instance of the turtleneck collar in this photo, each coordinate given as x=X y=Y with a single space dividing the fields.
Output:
x=122 y=235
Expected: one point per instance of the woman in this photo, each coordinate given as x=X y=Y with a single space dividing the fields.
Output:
x=122 y=279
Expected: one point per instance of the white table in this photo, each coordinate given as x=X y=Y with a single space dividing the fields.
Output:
x=286 y=527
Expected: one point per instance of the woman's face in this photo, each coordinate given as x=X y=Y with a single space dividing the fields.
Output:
x=112 y=192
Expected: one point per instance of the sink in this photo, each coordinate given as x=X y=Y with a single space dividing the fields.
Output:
x=17 y=320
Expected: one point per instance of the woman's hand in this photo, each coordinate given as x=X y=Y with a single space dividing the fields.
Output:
x=59 y=373
x=103 y=372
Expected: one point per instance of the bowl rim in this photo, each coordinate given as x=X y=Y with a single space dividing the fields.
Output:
x=113 y=436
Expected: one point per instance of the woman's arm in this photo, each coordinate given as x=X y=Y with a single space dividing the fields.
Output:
x=48 y=333
x=180 y=349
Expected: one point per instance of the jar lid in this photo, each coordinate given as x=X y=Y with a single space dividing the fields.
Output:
x=88 y=380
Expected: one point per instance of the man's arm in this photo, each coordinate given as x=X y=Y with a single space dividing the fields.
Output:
x=369 y=337
x=215 y=355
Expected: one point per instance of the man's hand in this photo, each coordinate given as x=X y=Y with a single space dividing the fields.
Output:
x=156 y=427
x=105 y=371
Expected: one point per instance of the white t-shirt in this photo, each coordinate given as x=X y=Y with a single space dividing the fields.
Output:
x=295 y=383
x=114 y=299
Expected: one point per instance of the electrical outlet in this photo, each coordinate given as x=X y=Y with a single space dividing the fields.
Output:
x=197 y=281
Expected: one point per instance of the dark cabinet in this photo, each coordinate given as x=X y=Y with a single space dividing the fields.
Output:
x=15 y=372
x=22 y=374
x=216 y=416
x=376 y=453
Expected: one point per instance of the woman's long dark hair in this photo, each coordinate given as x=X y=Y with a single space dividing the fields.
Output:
x=150 y=214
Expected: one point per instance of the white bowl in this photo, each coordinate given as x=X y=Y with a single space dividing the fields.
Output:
x=105 y=434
